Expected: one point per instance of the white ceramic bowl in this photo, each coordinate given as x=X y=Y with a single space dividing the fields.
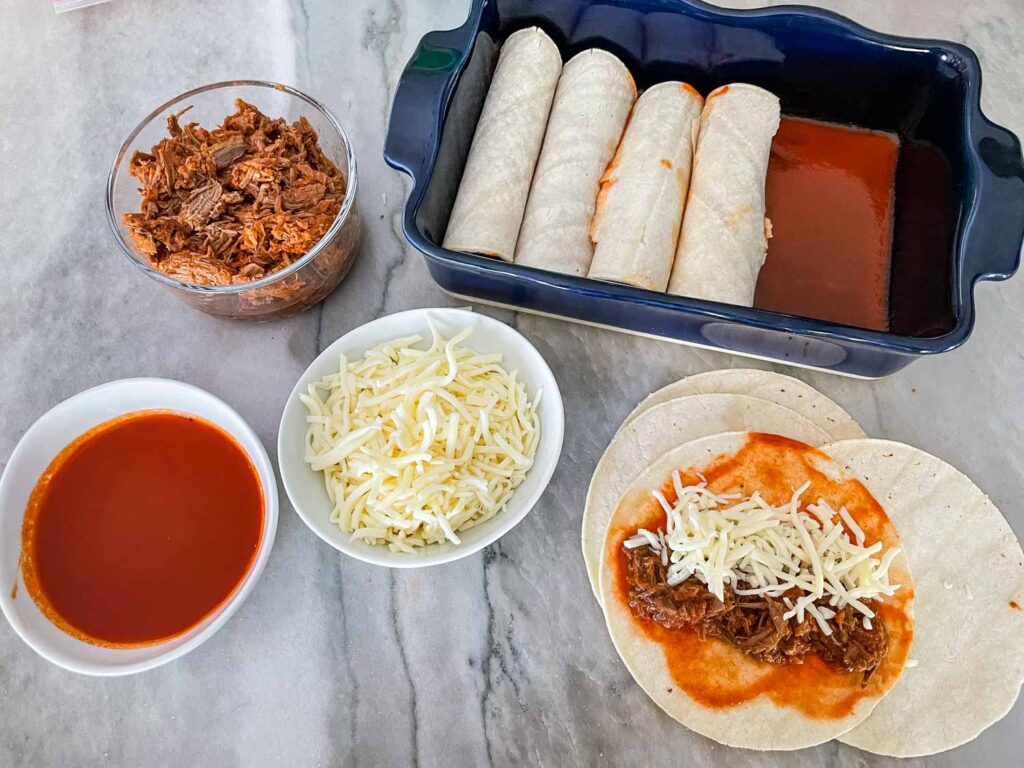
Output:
x=38 y=447
x=305 y=487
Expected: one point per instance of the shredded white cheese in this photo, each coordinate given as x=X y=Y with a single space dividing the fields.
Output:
x=761 y=549
x=418 y=444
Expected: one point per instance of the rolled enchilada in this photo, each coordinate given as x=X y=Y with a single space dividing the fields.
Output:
x=640 y=206
x=724 y=237
x=488 y=209
x=592 y=103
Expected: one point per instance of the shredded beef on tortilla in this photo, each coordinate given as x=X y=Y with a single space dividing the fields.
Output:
x=752 y=624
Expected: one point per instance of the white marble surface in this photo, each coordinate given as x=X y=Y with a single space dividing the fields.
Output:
x=500 y=658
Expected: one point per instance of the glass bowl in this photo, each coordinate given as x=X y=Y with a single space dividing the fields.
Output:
x=300 y=285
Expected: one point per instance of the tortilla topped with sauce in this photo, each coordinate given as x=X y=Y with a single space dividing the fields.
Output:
x=747 y=579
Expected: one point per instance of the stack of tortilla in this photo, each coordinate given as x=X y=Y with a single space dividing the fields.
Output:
x=965 y=666
x=569 y=172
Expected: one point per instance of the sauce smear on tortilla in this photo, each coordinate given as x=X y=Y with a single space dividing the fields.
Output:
x=141 y=528
x=830 y=197
x=718 y=675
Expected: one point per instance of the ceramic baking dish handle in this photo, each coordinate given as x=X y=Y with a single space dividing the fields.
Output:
x=417 y=111
x=993 y=252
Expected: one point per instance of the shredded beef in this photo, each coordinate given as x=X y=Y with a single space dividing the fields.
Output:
x=752 y=624
x=235 y=203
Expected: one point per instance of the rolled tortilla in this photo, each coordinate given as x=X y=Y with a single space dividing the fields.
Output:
x=640 y=206
x=724 y=237
x=488 y=209
x=592 y=102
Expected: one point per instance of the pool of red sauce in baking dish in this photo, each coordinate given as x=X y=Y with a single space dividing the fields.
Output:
x=717 y=675
x=830 y=197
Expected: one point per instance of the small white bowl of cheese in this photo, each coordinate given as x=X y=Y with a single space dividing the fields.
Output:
x=428 y=451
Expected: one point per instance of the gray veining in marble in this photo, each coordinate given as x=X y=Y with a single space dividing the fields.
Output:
x=500 y=658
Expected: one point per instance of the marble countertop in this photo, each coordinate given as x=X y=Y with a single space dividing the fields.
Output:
x=499 y=658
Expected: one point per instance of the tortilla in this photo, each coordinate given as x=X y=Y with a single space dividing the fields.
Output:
x=969 y=573
x=640 y=206
x=724 y=238
x=592 y=102
x=660 y=429
x=766 y=385
x=488 y=209
x=710 y=686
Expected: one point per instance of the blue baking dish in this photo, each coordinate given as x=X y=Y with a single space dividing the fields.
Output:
x=959 y=215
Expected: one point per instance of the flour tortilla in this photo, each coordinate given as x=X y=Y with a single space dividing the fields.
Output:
x=640 y=206
x=592 y=103
x=489 y=207
x=724 y=237
x=758 y=723
x=968 y=567
x=776 y=387
x=660 y=429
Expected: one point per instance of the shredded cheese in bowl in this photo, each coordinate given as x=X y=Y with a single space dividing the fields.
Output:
x=419 y=444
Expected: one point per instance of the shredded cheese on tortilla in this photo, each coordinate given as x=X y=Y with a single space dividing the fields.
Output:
x=762 y=549
x=418 y=444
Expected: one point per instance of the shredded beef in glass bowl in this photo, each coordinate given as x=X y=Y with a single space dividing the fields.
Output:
x=240 y=197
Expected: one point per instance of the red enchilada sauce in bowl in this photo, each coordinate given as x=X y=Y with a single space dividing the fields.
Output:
x=141 y=528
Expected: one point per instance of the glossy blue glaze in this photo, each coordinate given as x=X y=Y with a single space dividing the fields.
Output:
x=960 y=183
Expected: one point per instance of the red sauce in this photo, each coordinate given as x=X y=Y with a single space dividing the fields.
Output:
x=922 y=259
x=830 y=198
x=141 y=528
x=687 y=88
x=718 y=675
